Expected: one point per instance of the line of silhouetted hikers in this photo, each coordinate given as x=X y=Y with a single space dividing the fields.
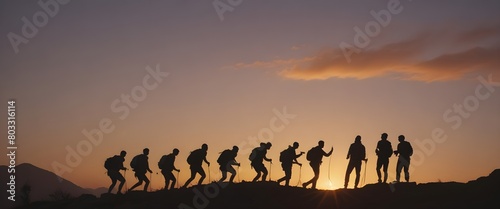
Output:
x=287 y=157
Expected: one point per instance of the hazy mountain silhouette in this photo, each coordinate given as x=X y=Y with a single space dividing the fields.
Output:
x=43 y=183
x=481 y=193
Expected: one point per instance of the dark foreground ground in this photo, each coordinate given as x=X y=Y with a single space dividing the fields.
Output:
x=481 y=193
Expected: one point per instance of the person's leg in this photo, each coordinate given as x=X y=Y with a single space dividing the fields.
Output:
x=358 y=174
x=137 y=184
x=350 y=166
x=305 y=184
x=264 y=172
x=288 y=175
x=167 y=181
x=122 y=182
x=257 y=170
x=316 y=175
x=202 y=174
x=193 y=174
x=284 y=177
x=399 y=166
x=146 y=180
x=224 y=175
x=233 y=173
x=385 y=165
x=170 y=177
x=406 y=169
x=113 y=183
x=379 y=165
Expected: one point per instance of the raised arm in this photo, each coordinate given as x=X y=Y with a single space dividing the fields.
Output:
x=329 y=153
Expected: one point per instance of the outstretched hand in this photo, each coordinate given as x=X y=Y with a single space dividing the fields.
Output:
x=178 y=170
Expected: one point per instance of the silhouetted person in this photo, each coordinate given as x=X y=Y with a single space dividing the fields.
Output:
x=257 y=157
x=166 y=165
x=315 y=157
x=288 y=157
x=356 y=154
x=140 y=165
x=195 y=160
x=226 y=161
x=404 y=151
x=384 y=152
x=114 y=165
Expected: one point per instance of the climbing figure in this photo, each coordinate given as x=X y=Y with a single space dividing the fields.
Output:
x=384 y=152
x=226 y=161
x=288 y=157
x=195 y=161
x=404 y=152
x=257 y=157
x=356 y=155
x=315 y=157
x=166 y=164
x=140 y=166
x=114 y=165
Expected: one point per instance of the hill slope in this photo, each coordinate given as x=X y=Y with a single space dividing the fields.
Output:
x=42 y=182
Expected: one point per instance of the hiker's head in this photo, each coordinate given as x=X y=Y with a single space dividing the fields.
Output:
x=384 y=136
x=268 y=145
x=175 y=151
x=123 y=153
x=262 y=145
x=295 y=145
x=235 y=149
x=321 y=143
x=358 y=139
x=204 y=147
x=145 y=151
x=401 y=138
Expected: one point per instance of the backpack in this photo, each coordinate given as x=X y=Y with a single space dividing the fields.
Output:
x=134 y=164
x=254 y=154
x=111 y=163
x=194 y=157
x=162 y=164
x=314 y=155
x=224 y=157
x=285 y=155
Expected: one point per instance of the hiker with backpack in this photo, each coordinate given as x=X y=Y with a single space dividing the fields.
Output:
x=356 y=154
x=288 y=157
x=140 y=166
x=195 y=161
x=257 y=157
x=384 y=152
x=114 y=165
x=166 y=164
x=226 y=161
x=315 y=157
x=404 y=152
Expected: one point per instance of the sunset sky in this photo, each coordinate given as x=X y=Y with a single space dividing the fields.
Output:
x=431 y=69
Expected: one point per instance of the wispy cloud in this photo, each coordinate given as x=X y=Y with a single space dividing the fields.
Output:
x=427 y=57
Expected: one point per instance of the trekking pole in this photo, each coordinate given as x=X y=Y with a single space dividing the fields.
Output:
x=270 y=169
x=209 y=179
x=239 y=174
x=125 y=177
x=150 y=182
x=329 y=172
x=178 y=179
x=364 y=175
x=300 y=175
